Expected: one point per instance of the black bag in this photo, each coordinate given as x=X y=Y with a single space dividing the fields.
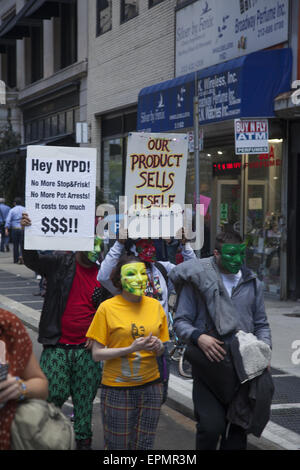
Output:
x=219 y=377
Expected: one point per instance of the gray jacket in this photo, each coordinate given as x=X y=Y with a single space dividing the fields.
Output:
x=204 y=304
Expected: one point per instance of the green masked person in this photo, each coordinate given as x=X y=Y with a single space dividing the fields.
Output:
x=233 y=256
x=94 y=255
x=134 y=278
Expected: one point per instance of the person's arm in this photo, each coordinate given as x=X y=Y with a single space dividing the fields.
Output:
x=108 y=264
x=101 y=353
x=262 y=328
x=189 y=324
x=32 y=384
x=8 y=223
x=187 y=252
x=33 y=260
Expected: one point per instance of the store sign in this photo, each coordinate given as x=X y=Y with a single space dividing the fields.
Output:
x=214 y=31
x=263 y=160
x=82 y=133
x=251 y=136
x=167 y=108
x=219 y=96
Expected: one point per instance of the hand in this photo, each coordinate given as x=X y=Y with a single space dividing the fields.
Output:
x=211 y=347
x=10 y=389
x=6 y=232
x=89 y=343
x=25 y=221
x=141 y=343
x=155 y=345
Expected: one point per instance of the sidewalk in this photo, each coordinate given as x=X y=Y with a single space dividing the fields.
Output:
x=283 y=430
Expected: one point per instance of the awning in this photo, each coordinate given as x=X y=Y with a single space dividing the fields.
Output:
x=240 y=88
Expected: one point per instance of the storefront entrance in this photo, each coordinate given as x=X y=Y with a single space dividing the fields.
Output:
x=245 y=194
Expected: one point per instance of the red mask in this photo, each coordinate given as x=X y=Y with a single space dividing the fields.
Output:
x=146 y=250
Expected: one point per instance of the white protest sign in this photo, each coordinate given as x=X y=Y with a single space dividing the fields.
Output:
x=155 y=183
x=60 y=198
x=251 y=136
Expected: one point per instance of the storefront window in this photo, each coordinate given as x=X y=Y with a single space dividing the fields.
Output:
x=263 y=214
x=243 y=193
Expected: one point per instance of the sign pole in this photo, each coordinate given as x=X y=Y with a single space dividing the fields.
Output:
x=196 y=151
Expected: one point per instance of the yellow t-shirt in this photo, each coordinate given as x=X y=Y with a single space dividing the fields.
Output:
x=116 y=324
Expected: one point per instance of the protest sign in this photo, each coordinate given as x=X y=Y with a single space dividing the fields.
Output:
x=155 y=182
x=60 y=198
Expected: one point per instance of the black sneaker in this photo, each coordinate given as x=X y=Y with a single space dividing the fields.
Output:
x=84 y=444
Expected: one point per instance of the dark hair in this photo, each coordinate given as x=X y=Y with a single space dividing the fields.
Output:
x=18 y=201
x=228 y=236
x=115 y=276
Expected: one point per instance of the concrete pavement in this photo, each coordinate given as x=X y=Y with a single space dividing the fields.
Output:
x=283 y=430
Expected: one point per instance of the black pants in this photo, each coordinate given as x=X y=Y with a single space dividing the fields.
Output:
x=17 y=236
x=211 y=422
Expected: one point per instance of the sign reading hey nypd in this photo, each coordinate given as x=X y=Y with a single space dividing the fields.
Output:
x=209 y=32
x=60 y=198
x=155 y=183
x=251 y=136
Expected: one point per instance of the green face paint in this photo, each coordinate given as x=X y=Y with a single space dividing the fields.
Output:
x=134 y=278
x=94 y=255
x=233 y=256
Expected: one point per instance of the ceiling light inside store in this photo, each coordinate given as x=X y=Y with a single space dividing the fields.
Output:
x=208 y=154
x=219 y=152
x=275 y=177
x=275 y=141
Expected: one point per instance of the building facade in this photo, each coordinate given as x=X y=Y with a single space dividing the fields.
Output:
x=44 y=65
x=131 y=45
x=168 y=52
x=140 y=65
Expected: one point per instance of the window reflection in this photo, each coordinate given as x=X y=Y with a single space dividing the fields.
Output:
x=104 y=16
x=129 y=9
x=112 y=170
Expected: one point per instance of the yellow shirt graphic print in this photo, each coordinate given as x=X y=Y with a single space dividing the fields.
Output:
x=117 y=324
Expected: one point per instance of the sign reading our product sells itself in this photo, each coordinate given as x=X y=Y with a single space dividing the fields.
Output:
x=60 y=198
x=155 y=177
x=251 y=136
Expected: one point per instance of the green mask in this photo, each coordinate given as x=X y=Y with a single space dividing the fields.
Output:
x=94 y=255
x=134 y=278
x=233 y=256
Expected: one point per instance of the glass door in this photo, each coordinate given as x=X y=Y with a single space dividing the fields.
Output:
x=229 y=205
